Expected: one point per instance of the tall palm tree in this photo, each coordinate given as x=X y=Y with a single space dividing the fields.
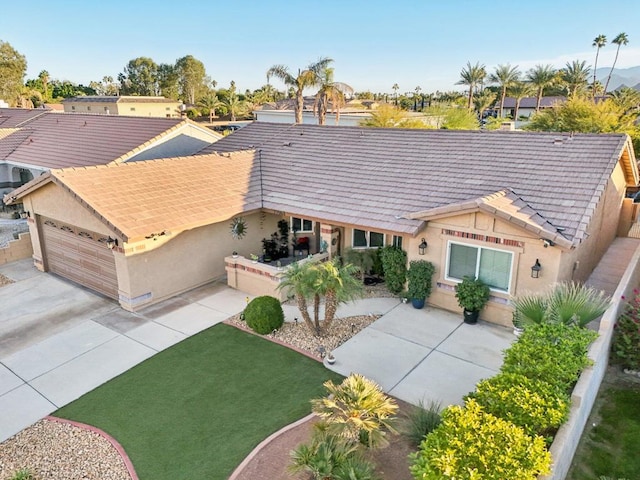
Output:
x=309 y=77
x=44 y=78
x=472 y=75
x=541 y=77
x=330 y=91
x=621 y=39
x=395 y=88
x=576 y=75
x=505 y=76
x=598 y=42
x=518 y=91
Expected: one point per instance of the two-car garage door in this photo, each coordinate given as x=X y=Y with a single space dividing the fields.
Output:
x=79 y=255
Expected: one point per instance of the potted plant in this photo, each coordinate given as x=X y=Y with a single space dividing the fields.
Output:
x=234 y=254
x=419 y=276
x=472 y=294
x=254 y=258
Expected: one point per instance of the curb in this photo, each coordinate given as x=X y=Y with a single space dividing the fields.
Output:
x=125 y=458
x=265 y=442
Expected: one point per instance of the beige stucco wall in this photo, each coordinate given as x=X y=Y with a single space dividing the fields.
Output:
x=186 y=140
x=153 y=270
x=16 y=249
x=151 y=109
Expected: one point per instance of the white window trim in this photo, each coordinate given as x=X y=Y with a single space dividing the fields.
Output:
x=367 y=234
x=302 y=220
x=457 y=280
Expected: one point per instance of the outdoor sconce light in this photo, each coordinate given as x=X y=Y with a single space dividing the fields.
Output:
x=535 y=270
x=112 y=243
x=422 y=247
x=25 y=214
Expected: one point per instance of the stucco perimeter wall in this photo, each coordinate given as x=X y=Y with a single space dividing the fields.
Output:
x=158 y=268
x=17 y=249
x=585 y=392
x=578 y=263
x=479 y=229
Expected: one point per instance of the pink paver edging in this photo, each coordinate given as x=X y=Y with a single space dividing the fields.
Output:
x=105 y=435
x=266 y=442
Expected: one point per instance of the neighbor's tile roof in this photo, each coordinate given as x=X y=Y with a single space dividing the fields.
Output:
x=10 y=139
x=139 y=199
x=378 y=177
x=119 y=99
x=59 y=140
x=17 y=117
x=530 y=102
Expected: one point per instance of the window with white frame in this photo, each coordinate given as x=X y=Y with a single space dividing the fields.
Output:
x=488 y=264
x=366 y=239
x=301 y=225
x=397 y=241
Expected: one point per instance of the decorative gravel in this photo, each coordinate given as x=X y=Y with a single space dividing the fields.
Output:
x=54 y=451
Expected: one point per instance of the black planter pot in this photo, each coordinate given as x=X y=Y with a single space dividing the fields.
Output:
x=470 y=317
x=417 y=303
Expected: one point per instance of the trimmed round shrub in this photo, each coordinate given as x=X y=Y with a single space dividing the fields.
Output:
x=264 y=314
x=473 y=444
x=534 y=405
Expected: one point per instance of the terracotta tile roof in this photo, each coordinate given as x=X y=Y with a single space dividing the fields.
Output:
x=140 y=199
x=376 y=177
x=59 y=140
x=17 y=117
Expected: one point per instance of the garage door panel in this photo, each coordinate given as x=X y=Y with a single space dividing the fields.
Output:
x=80 y=256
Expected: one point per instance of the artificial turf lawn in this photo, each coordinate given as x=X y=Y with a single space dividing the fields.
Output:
x=197 y=409
x=611 y=447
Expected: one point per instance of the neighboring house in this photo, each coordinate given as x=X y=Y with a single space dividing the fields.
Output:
x=527 y=105
x=492 y=204
x=134 y=106
x=34 y=141
x=283 y=112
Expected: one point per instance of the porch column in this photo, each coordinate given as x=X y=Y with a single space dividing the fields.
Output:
x=331 y=235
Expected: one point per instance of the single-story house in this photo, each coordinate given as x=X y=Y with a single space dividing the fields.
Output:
x=133 y=105
x=34 y=141
x=490 y=204
x=528 y=105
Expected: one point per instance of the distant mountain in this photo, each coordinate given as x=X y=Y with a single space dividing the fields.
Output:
x=629 y=77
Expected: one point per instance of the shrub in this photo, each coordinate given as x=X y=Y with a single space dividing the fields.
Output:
x=22 y=474
x=264 y=314
x=472 y=294
x=536 y=406
x=626 y=340
x=422 y=420
x=419 y=276
x=552 y=352
x=394 y=266
x=473 y=444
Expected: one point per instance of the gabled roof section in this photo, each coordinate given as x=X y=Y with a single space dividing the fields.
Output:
x=18 y=117
x=59 y=140
x=147 y=198
x=373 y=177
x=504 y=204
x=10 y=139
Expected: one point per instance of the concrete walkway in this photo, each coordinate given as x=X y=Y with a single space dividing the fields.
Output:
x=59 y=341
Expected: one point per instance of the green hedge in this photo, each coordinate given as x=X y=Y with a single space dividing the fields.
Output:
x=264 y=314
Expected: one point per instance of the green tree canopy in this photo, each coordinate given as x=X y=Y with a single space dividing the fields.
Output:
x=140 y=77
x=576 y=76
x=190 y=78
x=388 y=116
x=13 y=67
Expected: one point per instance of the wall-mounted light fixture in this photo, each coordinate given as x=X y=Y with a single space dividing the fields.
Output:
x=112 y=243
x=422 y=247
x=535 y=270
x=25 y=214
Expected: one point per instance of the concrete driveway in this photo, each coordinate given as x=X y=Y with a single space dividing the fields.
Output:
x=59 y=341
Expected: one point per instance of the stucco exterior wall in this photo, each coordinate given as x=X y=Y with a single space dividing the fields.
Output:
x=187 y=140
x=132 y=109
x=147 y=275
x=17 y=249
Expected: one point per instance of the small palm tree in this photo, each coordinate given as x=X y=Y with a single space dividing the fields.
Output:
x=337 y=284
x=309 y=77
x=472 y=75
x=519 y=91
x=298 y=279
x=483 y=101
x=388 y=116
x=575 y=75
x=541 y=77
x=357 y=411
x=621 y=39
x=505 y=77
x=210 y=103
x=598 y=42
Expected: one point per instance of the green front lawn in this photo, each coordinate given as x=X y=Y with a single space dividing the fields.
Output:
x=197 y=409
x=611 y=447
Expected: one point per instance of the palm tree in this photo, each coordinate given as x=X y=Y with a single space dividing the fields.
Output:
x=505 y=76
x=395 y=88
x=298 y=279
x=598 y=42
x=357 y=411
x=210 y=103
x=415 y=98
x=575 y=75
x=330 y=91
x=519 y=91
x=472 y=75
x=483 y=101
x=621 y=39
x=388 y=116
x=44 y=78
x=337 y=284
x=309 y=77
x=541 y=77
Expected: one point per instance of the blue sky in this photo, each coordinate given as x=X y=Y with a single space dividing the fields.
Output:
x=374 y=43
